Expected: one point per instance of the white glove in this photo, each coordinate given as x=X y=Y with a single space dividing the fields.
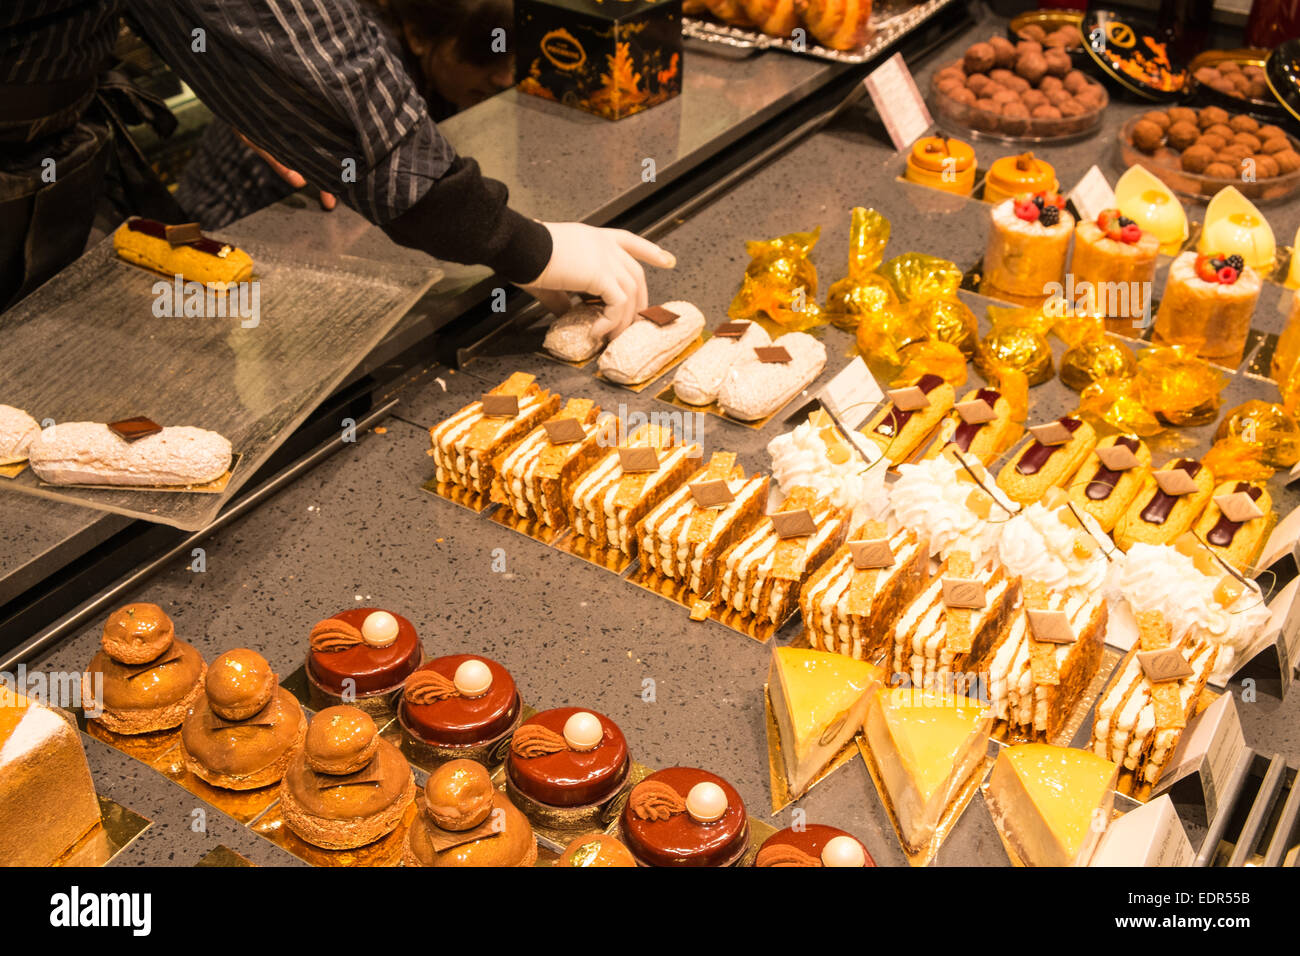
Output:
x=603 y=263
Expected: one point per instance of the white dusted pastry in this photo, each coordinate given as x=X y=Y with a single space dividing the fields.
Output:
x=698 y=378
x=17 y=431
x=570 y=337
x=644 y=348
x=90 y=453
x=754 y=389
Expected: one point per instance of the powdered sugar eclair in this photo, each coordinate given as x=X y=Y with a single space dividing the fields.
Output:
x=979 y=425
x=17 y=432
x=1110 y=478
x=1166 y=505
x=756 y=387
x=1053 y=453
x=1235 y=521
x=644 y=348
x=570 y=337
x=910 y=416
x=699 y=377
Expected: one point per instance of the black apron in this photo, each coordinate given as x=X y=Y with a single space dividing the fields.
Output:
x=59 y=144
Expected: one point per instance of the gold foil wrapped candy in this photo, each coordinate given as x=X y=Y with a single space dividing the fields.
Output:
x=1096 y=357
x=927 y=286
x=780 y=282
x=1272 y=435
x=1117 y=403
x=1178 y=387
x=1019 y=340
x=1232 y=459
x=948 y=320
x=882 y=339
x=938 y=358
x=862 y=292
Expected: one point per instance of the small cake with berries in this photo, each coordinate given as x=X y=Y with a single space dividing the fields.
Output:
x=1114 y=267
x=1207 y=305
x=1027 y=248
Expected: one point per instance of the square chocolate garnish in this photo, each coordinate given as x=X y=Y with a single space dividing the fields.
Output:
x=658 y=315
x=563 y=431
x=872 y=553
x=910 y=398
x=1164 y=665
x=133 y=429
x=1050 y=433
x=772 y=354
x=964 y=593
x=731 y=330
x=500 y=406
x=976 y=412
x=183 y=233
x=1174 y=481
x=639 y=459
x=1050 y=627
x=1117 y=457
x=712 y=494
x=793 y=524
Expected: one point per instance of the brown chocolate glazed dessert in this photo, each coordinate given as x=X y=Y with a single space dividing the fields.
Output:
x=814 y=845
x=683 y=816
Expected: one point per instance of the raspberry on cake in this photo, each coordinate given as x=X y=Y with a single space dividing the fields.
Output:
x=850 y=604
x=466 y=446
x=683 y=537
x=619 y=490
x=534 y=477
x=763 y=573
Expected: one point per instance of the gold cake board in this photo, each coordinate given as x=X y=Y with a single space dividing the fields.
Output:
x=669 y=397
x=116 y=829
x=609 y=559
x=469 y=500
x=681 y=595
x=224 y=856
x=951 y=814
x=386 y=851
x=780 y=787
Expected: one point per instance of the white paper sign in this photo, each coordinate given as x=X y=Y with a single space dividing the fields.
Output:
x=900 y=104
x=1212 y=744
x=853 y=394
x=1150 y=835
x=1092 y=195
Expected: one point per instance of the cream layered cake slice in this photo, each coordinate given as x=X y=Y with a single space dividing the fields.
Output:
x=1143 y=711
x=1051 y=804
x=466 y=446
x=851 y=603
x=762 y=574
x=683 y=536
x=611 y=496
x=1051 y=654
x=926 y=747
x=535 y=476
x=955 y=623
x=819 y=701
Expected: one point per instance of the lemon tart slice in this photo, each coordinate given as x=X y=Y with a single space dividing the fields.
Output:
x=926 y=746
x=1052 y=804
x=820 y=700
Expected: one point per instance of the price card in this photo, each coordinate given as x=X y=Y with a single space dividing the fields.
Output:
x=900 y=104
x=1092 y=195
x=1210 y=746
x=1150 y=835
x=853 y=394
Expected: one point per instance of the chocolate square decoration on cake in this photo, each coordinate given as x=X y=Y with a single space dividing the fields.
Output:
x=169 y=656
x=731 y=330
x=182 y=234
x=638 y=459
x=442 y=840
x=1050 y=627
x=563 y=431
x=976 y=411
x=872 y=553
x=133 y=429
x=1174 y=481
x=260 y=719
x=371 y=775
x=658 y=315
x=1117 y=457
x=712 y=494
x=1164 y=665
x=1238 y=507
x=1050 y=433
x=772 y=354
x=964 y=593
x=909 y=398
x=793 y=524
x=500 y=406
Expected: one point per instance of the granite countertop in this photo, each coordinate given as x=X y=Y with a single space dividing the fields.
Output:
x=359 y=529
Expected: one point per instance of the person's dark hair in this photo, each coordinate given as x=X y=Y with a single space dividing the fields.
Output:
x=469 y=22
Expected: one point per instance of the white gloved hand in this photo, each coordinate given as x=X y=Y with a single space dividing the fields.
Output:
x=603 y=263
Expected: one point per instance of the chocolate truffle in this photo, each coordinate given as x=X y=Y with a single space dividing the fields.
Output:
x=1219 y=170
x=1196 y=158
x=1045 y=112
x=1288 y=161
x=977 y=83
x=1050 y=83
x=1247 y=139
x=1212 y=116
x=1075 y=81
x=980 y=58
x=1182 y=114
x=1147 y=136
x=1213 y=140
x=1275 y=145
x=1032 y=98
x=1033 y=32
x=1032 y=66
x=1029 y=46
x=1182 y=135
x=1265 y=166
x=1268 y=131
x=1058 y=62
x=1242 y=123
x=1159 y=117
x=1001 y=75
x=962 y=95
x=1004 y=51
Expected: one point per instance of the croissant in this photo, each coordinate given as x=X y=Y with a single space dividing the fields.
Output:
x=776 y=18
x=838 y=24
x=729 y=11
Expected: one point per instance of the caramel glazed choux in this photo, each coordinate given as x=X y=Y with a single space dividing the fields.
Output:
x=243 y=732
x=144 y=679
x=465 y=821
x=345 y=786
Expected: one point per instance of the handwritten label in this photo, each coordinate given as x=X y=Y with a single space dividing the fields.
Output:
x=900 y=104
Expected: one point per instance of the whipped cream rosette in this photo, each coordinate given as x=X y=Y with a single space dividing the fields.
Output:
x=1047 y=545
x=939 y=499
x=815 y=455
x=1162 y=578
